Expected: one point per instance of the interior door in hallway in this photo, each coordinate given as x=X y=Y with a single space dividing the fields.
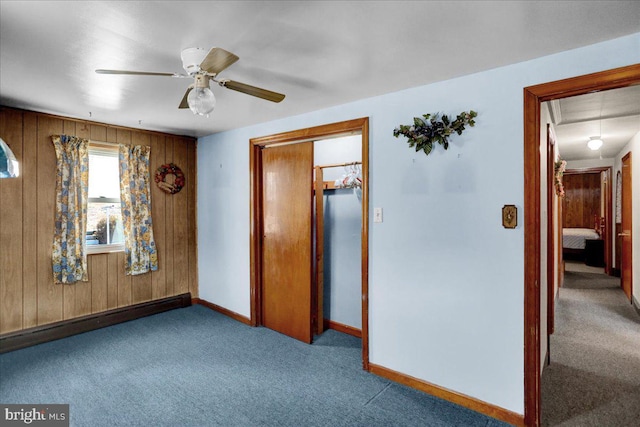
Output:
x=625 y=235
x=287 y=174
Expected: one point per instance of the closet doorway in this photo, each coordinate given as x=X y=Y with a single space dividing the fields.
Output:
x=286 y=290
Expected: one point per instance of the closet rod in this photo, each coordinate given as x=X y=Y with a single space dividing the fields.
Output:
x=337 y=165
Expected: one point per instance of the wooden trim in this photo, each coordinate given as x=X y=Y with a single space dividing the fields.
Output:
x=608 y=218
x=319 y=291
x=531 y=258
x=256 y=233
x=325 y=185
x=450 y=395
x=551 y=222
x=533 y=96
x=365 y=244
x=333 y=130
x=67 y=328
x=340 y=327
x=232 y=314
x=595 y=82
x=628 y=158
x=579 y=171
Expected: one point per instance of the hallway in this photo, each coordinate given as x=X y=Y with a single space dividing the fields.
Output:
x=594 y=375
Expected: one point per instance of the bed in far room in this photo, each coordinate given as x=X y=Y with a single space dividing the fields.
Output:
x=574 y=240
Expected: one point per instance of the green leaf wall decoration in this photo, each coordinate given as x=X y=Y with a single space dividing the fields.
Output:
x=434 y=128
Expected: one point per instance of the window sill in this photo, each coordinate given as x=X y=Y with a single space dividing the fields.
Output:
x=104 y=249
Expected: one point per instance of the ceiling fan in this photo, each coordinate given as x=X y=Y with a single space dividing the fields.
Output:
x=204 y=66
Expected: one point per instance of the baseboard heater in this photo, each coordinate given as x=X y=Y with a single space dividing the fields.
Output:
x=54 y=331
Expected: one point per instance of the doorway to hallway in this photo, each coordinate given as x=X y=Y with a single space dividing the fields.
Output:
x=533 y=97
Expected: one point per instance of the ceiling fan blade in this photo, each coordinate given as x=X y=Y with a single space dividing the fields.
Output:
x=184 y=103
x=253 y=91
x=217 y=60
x=139 y=73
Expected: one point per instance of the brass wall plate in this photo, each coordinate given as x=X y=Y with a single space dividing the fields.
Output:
x=509 y=216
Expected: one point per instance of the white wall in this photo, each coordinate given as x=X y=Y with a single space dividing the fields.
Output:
x=343 y=228
x=634 y=147
x=223 y=222
x=446 y=279
x=545 y=119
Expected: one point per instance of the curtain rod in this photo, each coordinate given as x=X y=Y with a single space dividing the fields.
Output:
x=96 y=142
x=337 y=165
x=110 y=145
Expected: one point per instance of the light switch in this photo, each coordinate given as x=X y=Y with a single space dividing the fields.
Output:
x=377 y=214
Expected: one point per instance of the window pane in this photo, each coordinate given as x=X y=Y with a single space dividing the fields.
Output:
x=104 y=219
x=104 y=224
x=104 y=179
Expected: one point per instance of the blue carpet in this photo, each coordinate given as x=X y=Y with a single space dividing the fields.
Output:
x=196 y=367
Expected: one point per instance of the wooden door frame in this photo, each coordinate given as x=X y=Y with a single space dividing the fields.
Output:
x=533 y=97
x=333 y=130
x=622 y=161
x=552 y=221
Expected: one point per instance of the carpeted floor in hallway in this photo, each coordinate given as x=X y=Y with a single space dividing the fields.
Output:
x=594 y=375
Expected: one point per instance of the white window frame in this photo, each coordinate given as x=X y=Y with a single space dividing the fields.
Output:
x=111 y=150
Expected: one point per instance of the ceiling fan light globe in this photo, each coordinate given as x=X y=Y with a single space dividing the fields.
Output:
x=201 y=101
x=594 y=144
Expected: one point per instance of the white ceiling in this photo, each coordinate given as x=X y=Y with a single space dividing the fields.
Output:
x=319 y=54
x=614 y=115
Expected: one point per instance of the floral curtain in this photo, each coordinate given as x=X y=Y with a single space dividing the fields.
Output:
x=72 y=184
x=135 y=194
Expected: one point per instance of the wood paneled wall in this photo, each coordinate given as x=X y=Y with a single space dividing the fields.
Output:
x=28 y=296
x=582 y=201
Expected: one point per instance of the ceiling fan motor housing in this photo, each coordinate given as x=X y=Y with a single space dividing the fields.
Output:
x=192 y=58
x=201 y=81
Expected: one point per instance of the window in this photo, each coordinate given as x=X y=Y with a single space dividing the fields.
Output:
x=104 y=218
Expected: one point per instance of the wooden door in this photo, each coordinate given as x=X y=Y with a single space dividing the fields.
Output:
x=625 y=235
x=287 y=178
x=607 y=235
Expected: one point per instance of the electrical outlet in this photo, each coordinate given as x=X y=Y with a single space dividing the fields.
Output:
x=377 y=214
